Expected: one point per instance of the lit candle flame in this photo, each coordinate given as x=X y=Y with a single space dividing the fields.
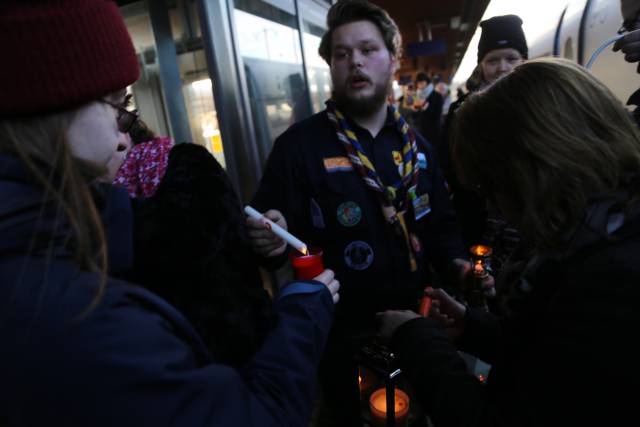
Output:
x=481 y=250
x=304 y=251
x=378 y=404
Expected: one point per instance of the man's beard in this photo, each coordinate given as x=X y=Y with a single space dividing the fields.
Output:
x=363 y=106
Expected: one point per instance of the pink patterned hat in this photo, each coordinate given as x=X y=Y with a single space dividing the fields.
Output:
x=144 y=167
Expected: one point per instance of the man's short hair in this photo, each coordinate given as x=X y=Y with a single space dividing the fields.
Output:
x=347 y=11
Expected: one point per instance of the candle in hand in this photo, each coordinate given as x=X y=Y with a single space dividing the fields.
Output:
x=307 y=266
x=378 y=406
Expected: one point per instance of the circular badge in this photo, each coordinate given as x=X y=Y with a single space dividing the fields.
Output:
x=349 y=214
x=358 y=255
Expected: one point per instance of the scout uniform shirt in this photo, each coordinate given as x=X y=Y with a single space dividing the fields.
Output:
x=309 y=178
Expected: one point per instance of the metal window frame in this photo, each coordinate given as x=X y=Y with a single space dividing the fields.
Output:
x=230 y=95
x=226 y=69
x=176 y=108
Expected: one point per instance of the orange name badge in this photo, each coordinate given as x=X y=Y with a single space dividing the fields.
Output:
x=337 y=164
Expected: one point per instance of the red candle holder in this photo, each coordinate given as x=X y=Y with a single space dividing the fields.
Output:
x=306 y=267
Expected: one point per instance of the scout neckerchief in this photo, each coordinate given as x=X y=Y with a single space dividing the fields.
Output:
x=386 y=194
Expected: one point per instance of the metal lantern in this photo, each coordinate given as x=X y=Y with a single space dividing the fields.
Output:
x=385 y=397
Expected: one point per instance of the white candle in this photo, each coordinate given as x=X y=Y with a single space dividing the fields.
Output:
x=279 y=231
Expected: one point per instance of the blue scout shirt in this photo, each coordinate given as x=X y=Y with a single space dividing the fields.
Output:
x=326 y=203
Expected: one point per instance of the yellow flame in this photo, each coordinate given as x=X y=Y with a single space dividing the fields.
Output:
x=304 y=251
x=480 y=250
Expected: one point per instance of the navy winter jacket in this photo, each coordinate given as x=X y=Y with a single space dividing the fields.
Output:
x=133 y=360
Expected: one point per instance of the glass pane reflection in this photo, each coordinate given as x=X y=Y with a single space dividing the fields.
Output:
x=313 y=28
x=270 y=48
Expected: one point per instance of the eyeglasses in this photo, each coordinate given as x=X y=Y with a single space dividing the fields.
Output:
x=125 y=118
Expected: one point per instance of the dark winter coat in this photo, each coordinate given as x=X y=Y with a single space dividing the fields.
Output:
x=326 y=203
x=133 y=360
x=561 y=355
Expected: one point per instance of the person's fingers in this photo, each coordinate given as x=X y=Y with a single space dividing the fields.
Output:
x=277 y=217
x=631 y=51
x=262 y=236
x=632 y=57
x=618 y=45
x=630 y=37
x=266 y=241
x=261 y=232
x=270 y=250
x=631 y=47
x=438 y=294
x=253 y=223
x=334 y=286
x=325 y=277
x=277 y=251
x=488 y=287
x=490 y=293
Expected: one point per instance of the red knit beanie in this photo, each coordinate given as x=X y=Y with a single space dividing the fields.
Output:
x=62 y=53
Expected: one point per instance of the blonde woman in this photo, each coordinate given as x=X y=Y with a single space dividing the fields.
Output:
x=502 y=47
x=80 y=348
x=562 y=162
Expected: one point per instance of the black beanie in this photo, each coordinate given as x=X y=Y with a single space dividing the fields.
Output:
x=501 y=32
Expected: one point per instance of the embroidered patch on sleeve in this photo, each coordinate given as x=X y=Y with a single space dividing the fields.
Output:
x=337 y=164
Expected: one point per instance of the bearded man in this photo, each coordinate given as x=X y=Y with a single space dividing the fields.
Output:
x=358 y=182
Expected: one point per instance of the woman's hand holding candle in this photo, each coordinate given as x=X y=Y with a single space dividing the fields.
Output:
x=263 y=240
x=328 y=278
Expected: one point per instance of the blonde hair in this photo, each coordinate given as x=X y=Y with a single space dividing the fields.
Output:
x=543 y=140
x=40 y=144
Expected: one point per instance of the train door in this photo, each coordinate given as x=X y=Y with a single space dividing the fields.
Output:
x=569 y=35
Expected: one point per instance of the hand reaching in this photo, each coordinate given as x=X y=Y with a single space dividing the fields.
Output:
x=447 y=311
x=391 y=320
x=264 y=241
x=630 y=44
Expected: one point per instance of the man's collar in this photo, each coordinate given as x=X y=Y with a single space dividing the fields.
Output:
x=388 y=121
